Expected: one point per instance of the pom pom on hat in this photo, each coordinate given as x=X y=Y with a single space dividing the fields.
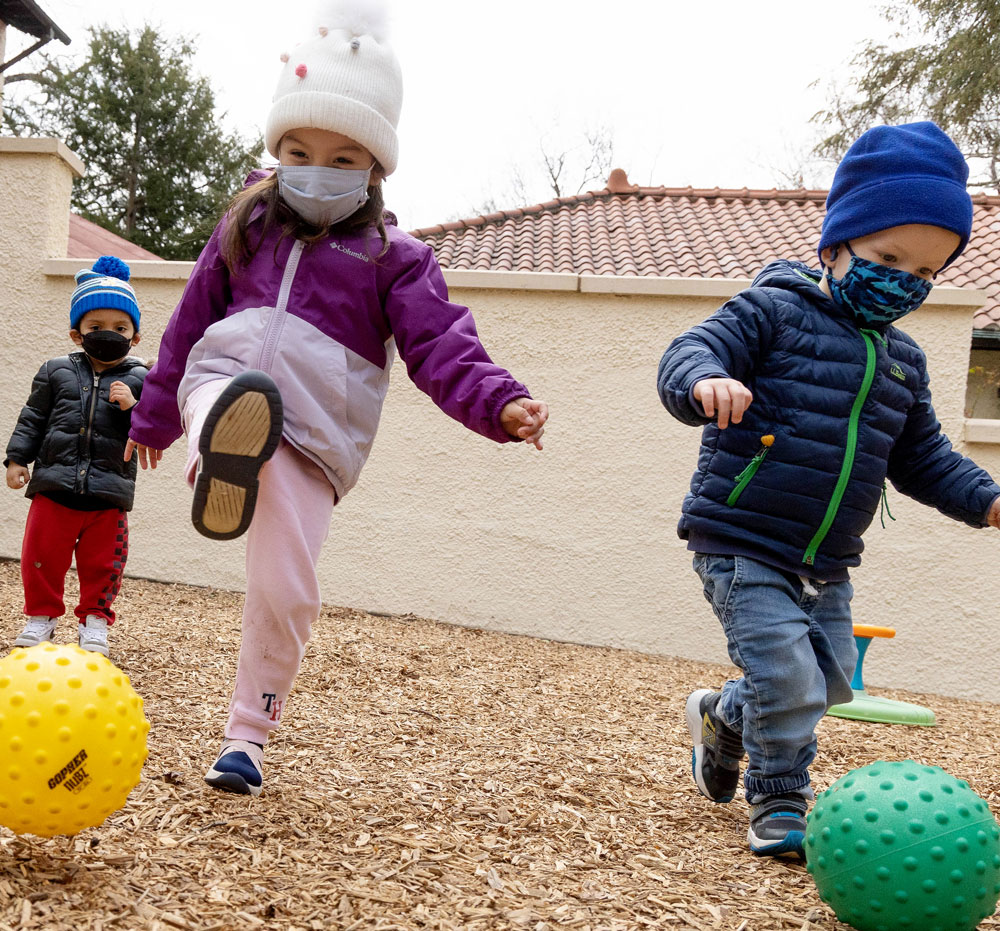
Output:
x=345 y=79
x=112 y=267
x=894 y=176
x=104 y=286
x=359 y=18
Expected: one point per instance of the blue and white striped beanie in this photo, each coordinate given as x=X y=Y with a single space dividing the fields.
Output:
x=103 y=287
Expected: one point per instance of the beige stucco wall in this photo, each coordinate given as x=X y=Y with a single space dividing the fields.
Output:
x=574 y=543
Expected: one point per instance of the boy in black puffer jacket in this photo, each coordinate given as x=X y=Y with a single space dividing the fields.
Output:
x=74 y=428
x=810 y=399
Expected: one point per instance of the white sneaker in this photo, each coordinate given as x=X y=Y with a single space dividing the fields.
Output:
x=94 y=635
x=238 y=768
x=39 y=629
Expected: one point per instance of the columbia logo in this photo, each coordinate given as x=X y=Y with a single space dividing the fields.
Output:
x=352 y=252
x=896 y=372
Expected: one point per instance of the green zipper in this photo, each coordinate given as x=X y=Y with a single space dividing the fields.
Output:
x=884 y=507
x=743 y=479
x=849 y=452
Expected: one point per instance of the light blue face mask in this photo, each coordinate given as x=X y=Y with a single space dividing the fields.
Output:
x=323 y=196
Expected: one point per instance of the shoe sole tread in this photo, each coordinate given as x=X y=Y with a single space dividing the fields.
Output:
x=240 y=434
x=231 y=782
x=791 y=845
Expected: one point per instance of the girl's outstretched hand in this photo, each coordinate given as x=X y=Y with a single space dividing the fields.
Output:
x=524 y=418
x=146 y=454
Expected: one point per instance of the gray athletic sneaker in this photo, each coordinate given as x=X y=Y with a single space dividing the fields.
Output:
x=717 y=750
x=778 y=825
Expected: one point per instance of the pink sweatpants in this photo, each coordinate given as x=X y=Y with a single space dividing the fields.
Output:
x=290 y=522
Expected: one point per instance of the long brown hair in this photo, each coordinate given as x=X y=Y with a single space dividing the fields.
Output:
x=237 y=249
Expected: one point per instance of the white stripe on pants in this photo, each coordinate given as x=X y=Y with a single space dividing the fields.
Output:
x=290 y=522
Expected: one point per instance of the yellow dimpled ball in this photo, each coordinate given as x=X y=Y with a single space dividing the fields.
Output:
x=72 y=739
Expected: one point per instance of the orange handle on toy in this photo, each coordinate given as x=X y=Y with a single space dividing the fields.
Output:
x=870 y=630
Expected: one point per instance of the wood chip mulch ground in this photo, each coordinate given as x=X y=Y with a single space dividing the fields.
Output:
x=430 y=776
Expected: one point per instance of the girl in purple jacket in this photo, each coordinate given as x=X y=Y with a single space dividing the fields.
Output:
x=276 y=361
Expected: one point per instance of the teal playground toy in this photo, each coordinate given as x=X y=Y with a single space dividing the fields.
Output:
x=865 y=707
x=904 y=847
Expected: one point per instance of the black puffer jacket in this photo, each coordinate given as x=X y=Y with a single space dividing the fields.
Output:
x=73 y=434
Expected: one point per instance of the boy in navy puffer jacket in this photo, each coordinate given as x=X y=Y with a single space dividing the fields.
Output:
x=811 y=399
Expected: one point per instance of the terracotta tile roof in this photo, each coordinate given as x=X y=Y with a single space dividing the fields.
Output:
x=979 y=265
x=686 y=232
x=88 y=241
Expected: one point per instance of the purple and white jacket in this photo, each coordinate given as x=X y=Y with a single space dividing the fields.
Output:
x=323 y=320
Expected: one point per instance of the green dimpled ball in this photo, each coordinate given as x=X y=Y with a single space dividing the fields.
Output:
x=904 y=847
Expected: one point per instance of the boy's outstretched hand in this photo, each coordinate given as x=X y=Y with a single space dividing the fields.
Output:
x=17 y=475
x=524 y=418
x=727 y=396
x=992 y=518
x=146 y=454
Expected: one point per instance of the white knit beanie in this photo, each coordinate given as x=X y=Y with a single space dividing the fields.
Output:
x=346 y=80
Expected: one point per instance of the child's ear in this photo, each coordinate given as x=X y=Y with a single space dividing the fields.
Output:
x=828 y=256
x=76 y=336
x=135 y=340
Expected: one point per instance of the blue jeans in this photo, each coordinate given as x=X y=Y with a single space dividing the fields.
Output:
x=797 y=653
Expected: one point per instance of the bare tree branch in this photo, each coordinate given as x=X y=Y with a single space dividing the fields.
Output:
x=554 y=164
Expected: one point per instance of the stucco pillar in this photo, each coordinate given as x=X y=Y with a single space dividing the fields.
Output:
x=36 y=178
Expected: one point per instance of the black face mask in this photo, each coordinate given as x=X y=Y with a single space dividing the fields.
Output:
x=106 y=345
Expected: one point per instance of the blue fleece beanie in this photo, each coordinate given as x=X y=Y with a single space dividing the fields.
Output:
x=894 y=175
x=103 y=287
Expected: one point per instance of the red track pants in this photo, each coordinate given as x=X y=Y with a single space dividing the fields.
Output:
x=51 y=536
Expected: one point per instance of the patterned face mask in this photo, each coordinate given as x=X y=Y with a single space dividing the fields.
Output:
x=876 y=295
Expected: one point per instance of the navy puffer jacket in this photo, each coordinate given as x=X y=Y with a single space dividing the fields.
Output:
x=73 y=434
x=846 y=409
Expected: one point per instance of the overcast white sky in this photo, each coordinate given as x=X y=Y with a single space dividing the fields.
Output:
x=707 y=93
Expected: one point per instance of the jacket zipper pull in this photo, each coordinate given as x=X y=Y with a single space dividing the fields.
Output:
x=884 y=507
x=766 y=442
x=743 y=479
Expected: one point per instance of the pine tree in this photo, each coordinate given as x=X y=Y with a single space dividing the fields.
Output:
x=947 y=70
x=160 y=169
